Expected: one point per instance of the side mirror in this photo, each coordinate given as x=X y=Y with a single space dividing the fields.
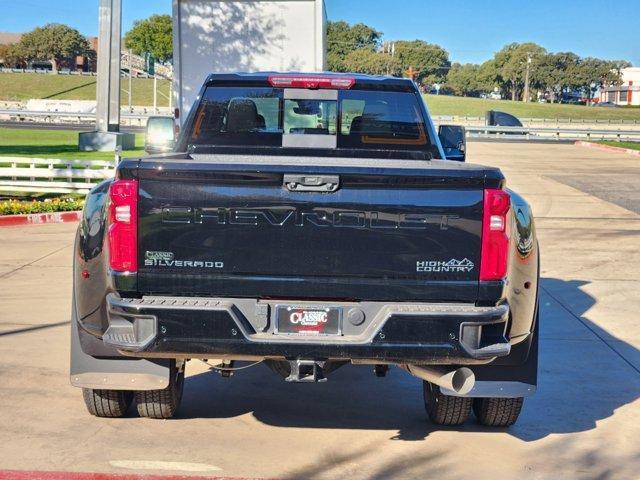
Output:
x=454 y=142
x=160 y=135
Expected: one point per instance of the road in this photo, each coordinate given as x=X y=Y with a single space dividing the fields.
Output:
x=583 y=423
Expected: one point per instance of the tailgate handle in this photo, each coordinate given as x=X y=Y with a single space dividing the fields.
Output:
x=312 y=183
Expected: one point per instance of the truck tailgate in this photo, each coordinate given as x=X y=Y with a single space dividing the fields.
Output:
x=387 y=230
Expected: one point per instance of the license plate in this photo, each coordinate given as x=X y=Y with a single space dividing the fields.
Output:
x=308 y=320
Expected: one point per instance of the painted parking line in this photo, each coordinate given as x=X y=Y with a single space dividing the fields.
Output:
x=37 y=475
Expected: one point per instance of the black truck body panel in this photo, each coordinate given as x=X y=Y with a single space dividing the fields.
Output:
x=359 y=244
x=377 y=226
x=386 y=332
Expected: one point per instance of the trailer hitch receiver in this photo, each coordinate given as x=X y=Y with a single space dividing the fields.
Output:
x=306 y=371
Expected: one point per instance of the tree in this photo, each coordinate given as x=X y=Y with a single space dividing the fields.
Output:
x=429 y=60
x=555 y=73
x=591 y=74
x=512 y=62
x=8 y=55
x=368 y=61
x=464 y=80
x=153 y=35
x=53 y=42
x=488 y=76
x=614 y=75
x=343 y=39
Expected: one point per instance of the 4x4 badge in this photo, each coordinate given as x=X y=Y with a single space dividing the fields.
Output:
x=452 y=266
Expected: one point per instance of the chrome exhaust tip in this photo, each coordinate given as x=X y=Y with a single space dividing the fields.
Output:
x=461 y=380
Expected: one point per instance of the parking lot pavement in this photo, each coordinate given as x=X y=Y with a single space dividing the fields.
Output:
x=584 y=421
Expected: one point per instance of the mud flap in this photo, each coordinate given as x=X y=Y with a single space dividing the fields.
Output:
x=114 y=373
x=507 y=381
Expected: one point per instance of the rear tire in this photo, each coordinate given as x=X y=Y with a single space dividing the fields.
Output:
x=445 y=409
x=162 y=404
x=107 y=403
x=497 y=412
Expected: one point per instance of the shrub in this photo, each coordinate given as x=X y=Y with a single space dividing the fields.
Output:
x=20 y=207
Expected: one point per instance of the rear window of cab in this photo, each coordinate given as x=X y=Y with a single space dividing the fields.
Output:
x=290 y=117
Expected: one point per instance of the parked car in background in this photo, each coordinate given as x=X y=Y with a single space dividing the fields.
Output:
x=491 y=96
x=606 y=105
x=573 y=101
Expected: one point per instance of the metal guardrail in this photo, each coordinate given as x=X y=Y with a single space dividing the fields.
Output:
x=50 y=175
x=547 y=133
x=139 y=119
x=18 y=174
x=465 y=119
x=24 y=115
x=42 y=71
x=530 y=133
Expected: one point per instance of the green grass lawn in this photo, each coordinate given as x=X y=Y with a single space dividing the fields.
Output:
x=61 y=144
x=25 y=86
x=477 y=107
x=631 y=145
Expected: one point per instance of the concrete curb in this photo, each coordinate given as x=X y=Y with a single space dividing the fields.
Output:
x=36 y=475
x=39 y=218
x=607 y=148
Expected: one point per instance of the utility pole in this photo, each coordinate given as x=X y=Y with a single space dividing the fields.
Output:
x=155 y=94
x=389 y=48
x=526 y=79
x=130 y=72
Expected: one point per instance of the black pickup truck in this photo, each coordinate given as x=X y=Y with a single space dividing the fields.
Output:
x=307 y=221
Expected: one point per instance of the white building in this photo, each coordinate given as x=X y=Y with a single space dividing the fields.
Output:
x=626 y=94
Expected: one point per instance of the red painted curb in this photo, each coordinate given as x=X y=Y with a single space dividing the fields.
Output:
x=35 y=475
x=607 y=148
x=39 y=219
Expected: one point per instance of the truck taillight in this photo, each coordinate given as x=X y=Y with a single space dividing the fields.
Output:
x=311 y=81
x=495 y=235
x=123 y=226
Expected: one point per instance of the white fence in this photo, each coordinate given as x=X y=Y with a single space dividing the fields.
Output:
x=50 y=175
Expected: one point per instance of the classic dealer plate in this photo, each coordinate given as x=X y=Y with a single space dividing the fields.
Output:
x=308 y=320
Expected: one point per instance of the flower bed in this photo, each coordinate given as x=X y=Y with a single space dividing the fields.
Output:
x=21 y=207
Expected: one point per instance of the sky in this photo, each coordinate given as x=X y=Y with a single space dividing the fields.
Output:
x=470 y=30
